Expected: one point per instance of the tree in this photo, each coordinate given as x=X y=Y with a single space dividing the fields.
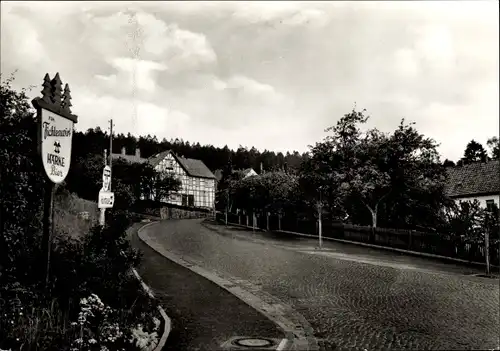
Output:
x=143 y=180
x=474 y=152
x=21 y=186
x=347 y=164
x=164 y=185
x=417 y=179
x=448 y=163
x=493 y=145
x=282 y=189
x=398 y=174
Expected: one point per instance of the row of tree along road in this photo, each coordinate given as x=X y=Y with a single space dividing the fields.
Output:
x=370 y=179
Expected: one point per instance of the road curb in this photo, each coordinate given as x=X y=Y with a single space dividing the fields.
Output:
x=167 y=327
x=387 y=248
x=298 y=332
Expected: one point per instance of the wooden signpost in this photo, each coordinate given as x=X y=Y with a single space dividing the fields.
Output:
x=55 y=137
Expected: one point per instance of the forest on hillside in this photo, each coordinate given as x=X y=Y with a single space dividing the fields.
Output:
x=95 y=141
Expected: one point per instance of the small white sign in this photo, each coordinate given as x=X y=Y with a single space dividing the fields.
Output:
x=106 y=199
x=106 y=179
x=56 y=137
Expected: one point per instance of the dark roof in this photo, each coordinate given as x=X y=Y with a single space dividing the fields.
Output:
x=473 y=179
x=156 y=159
x=193 y=167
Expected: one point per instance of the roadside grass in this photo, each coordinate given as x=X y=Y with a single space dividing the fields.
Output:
x=32 y=322
x=74 y=216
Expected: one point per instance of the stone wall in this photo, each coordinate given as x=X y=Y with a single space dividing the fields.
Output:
x=176 y=213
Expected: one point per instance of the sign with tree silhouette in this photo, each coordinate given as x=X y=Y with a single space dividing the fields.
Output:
x=56 y=128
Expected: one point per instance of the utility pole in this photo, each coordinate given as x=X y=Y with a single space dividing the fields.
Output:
x=110 y=151
x=102 y=220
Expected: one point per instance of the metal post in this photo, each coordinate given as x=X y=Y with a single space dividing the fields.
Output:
x=48 y=225
x=110 y=152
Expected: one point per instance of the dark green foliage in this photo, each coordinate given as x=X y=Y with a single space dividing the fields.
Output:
x=21 y=186
x=474 y=152
x=99 y=263
x=89 y=146
x=494 y=146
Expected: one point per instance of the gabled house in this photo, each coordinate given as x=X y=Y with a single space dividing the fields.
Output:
x=197 y=181
x=245 y=173
x=480 y=180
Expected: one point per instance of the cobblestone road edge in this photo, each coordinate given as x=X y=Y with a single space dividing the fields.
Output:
x=299 y=333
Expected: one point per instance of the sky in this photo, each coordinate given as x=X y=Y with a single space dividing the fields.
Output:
x=268 y=74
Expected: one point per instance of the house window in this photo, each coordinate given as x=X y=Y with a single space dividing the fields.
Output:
x=191 y=200
x=169 y=164
x=490 y=205
x=184 y=200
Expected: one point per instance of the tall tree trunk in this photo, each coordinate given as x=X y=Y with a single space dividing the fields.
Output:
x=374 y=221
x=320 y=227
x=373 y=212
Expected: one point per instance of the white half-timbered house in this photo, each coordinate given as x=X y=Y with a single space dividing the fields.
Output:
x=197 y=181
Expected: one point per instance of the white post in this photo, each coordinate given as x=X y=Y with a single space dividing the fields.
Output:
x=267 y=221
x=279 y=221
x=320 y=229
x=487 y=250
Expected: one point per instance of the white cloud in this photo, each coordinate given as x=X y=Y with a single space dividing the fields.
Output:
x=406 y=63
x=241 y=72
x=143 y=36
x=23 y=45
x=279 y=13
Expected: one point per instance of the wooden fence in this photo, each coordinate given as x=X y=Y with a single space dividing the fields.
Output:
x=433 y=243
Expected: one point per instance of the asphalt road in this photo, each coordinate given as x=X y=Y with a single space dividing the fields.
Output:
x=204 y=316
x=354 y=298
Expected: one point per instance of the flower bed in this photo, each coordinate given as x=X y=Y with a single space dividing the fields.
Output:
x=27 y=324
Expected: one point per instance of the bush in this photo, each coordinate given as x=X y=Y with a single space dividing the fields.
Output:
x=96 y=261
x=99 y=264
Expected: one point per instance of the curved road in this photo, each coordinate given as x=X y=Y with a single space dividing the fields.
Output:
x=352 y=300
